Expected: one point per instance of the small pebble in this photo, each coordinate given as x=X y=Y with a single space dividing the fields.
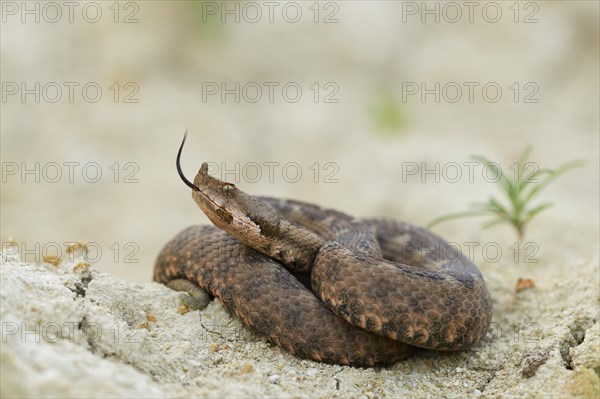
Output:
x=273 y=378
x=246 y=368
x=52 y=259
x=81 y=267
x=183 y=309
x=145 y=325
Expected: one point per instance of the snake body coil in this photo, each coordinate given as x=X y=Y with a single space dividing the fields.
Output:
x=377 y=287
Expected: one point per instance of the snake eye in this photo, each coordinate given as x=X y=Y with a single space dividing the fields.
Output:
x=228 y=188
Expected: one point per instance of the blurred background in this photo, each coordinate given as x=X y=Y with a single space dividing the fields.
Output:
x=342 y=103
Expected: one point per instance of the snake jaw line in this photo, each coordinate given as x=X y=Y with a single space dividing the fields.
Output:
x=234 y=211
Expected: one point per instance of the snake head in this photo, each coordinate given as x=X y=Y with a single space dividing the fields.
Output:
x=232 y=210
x=244 y=217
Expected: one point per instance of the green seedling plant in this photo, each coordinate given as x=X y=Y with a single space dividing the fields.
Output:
x=519 y=189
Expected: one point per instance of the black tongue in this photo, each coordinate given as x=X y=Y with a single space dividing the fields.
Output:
x=178 y=164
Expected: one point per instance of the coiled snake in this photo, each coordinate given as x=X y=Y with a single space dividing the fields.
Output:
x=372 y=289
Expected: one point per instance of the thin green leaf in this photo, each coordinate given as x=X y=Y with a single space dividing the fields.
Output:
x=497 y=207
x=498 y=173
x=513 y=195
x=456 y=215
x=522 y=161
x=535 y=211
x=553 y=174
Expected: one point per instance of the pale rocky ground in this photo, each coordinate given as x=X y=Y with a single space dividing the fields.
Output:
x=71 y=331
x=544 y=341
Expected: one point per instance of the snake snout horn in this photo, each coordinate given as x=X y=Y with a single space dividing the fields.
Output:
x=181 y=175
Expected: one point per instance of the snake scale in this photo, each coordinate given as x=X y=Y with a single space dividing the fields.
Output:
x=351 y=291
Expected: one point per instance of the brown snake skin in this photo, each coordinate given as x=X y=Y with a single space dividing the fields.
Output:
x=379 y=287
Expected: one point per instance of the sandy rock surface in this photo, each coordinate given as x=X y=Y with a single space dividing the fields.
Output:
x=71 y=331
